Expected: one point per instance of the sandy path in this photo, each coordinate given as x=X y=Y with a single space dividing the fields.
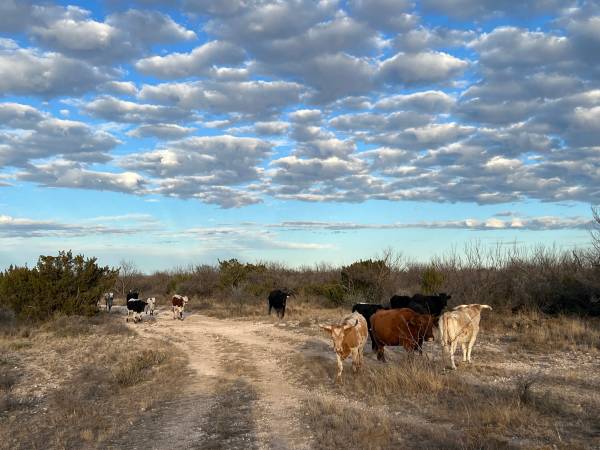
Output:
x=237 y=396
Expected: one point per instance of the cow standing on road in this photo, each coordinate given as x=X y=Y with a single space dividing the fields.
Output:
x=108 y=299
x=460 y=326
x=349 y=338
x=277 y=301
x=367 y=310
x=401 y=327
x=178 y=302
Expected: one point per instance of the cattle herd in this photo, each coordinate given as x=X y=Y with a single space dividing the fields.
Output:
x=407 y=322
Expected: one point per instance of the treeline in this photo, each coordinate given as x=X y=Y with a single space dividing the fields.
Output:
x=508 y=278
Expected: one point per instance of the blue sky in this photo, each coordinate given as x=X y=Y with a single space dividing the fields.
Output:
x=181 y=132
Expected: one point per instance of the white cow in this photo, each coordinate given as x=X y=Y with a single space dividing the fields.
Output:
x=151 y=305
x=461 y=325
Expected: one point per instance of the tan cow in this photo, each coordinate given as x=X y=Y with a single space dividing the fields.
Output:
x=461 y=325
x=349 y=339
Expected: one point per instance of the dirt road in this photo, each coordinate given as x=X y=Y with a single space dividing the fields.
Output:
x=238 y=395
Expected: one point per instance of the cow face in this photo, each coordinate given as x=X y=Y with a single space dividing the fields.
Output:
x=337 y=332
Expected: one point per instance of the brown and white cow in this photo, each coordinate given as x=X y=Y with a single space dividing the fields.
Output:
x=460 y=326
x=349 y=338
x=178 y=302
x=400 y=327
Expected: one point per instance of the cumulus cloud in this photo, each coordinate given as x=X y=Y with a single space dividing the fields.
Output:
x=69 y=174
x=250 y=98
x=31 y=72
x=124 y=35
x=421 y=68
x=198 y=62
x=161 y=130
x=117 y=110
x=212 y=160
x=27 y=134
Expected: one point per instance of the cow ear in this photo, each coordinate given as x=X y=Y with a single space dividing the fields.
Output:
x=325 y=327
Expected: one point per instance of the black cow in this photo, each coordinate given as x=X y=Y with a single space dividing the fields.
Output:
x=132 y=295
x=367 y=310
x=135 y=307
x=422 y=304
x=277 y=300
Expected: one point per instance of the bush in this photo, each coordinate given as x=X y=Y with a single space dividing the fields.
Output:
x=366 y=279
x=432 y=281
x=64 y=284
x=333 y=292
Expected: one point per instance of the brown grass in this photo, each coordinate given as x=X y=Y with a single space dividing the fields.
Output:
x=79 y=382
x=537 y=332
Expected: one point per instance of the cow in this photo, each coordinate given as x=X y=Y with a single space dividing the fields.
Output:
x=349 y=338
x=178 y=302
x=367 y=310
x=132 y=295
x=461 y=325
x=277 y=301
x=422 y=304
x=108 y=299
x=401 y=327
x=151 y=302
x=135 y=307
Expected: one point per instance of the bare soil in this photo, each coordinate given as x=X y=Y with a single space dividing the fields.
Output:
x=263 y=383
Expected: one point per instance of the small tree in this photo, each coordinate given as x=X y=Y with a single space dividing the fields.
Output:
x=65 y=283
x=432 y=280
x=127 y=272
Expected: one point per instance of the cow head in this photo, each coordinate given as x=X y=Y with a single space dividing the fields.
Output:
x=338 y=332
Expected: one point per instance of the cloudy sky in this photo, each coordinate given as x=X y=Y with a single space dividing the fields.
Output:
x=177 y=132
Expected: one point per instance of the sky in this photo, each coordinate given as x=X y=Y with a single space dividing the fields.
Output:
x=171 y=133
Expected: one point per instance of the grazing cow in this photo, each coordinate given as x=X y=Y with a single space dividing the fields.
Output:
x=349 y=339
x=151 y=302
x=367 y=310
x=401 y=327
x=422 y=304
x=178 y=302
x=277 y=301
x=461 y=325
x=136 y=308
x=108 y=299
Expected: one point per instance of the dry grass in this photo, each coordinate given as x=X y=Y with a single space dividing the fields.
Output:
x=536 y=332
x=79 y=382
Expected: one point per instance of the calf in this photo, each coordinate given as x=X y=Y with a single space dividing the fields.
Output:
x=178 y=302
x=108 y=299
x=422 y=304
x=401 y=327
x=461 y=325
x=349 y=339
x=136 y=308
x=277 y=301
x=151 y=302
x=367 y=310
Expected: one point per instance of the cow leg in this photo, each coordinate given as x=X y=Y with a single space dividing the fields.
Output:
x=464 y=351
x=380 y=354
x=469 y=348
x=270 y=306
x=340 y=368
x=283 y=312
x=355 y=359
x=373 y=345
x=452 y=351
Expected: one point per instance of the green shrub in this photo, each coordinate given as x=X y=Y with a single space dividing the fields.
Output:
x=333 y=292
x=432 y=280
x=234 y=275
x=366 y=279
x=64 y=284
